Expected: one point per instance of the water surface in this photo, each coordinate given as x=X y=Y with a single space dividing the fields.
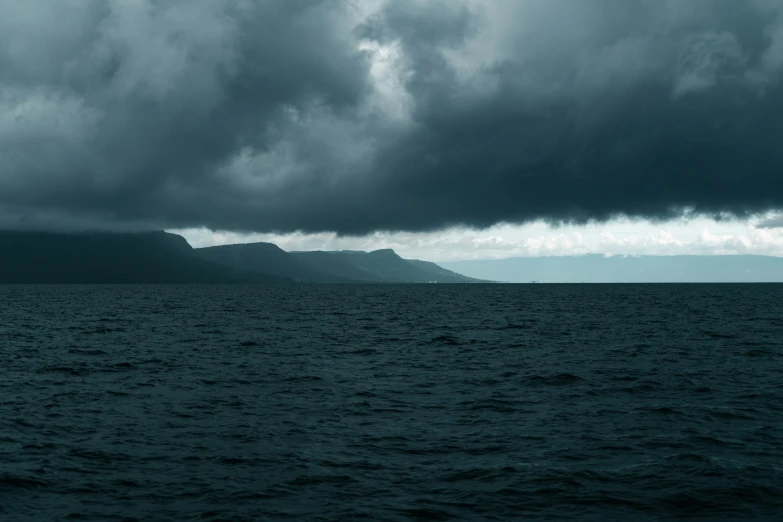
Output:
x=391 y=402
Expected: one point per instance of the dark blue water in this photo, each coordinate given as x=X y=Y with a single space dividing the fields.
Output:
x=421 y=402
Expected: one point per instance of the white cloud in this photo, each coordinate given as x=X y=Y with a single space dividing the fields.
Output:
x=622 y=237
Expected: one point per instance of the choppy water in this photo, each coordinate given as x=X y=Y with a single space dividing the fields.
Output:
x=423 y=402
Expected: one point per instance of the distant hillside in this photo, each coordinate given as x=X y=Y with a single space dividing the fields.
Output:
x=620 y=269
x=330 y=267
x=387 y=266
x=268 y=258
x=101 y=257
x=335 y=265
x=379 y=265
x=441 y=274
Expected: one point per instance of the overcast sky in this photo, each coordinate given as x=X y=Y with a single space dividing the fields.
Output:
x=397 y=121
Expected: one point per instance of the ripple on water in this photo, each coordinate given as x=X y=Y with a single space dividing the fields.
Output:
x=392 y=402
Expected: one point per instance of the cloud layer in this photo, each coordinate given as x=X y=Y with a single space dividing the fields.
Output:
x=359 y=116
x=700 y=236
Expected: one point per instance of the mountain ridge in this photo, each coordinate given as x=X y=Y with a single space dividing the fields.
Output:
x=111 y=258
x=158 y=257
x=338 y=266
x=266 y=258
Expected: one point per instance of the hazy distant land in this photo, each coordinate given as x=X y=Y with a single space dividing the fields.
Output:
x=596 y=268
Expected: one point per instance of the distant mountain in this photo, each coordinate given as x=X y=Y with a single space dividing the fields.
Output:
x=160 y=257
x=268 y=258
x=386 y=265
x=626 y=269
x=334 y=264
x=442 y=275
x=102 y=257
x=330 y=267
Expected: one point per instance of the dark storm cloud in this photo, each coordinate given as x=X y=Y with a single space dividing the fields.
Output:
x=359 y=116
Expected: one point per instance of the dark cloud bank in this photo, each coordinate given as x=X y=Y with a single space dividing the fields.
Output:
x=354 y=116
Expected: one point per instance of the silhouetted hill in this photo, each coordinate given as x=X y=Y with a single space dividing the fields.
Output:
x=440 y=274
x=338 y=266
x=267 y=258
x=387 y=266
x=626 y=269
x=102 y=257
x=331 y=267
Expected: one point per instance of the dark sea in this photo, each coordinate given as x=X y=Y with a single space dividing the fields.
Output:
x=391 y=402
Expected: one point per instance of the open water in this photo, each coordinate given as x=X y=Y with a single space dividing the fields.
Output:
x=376 y=402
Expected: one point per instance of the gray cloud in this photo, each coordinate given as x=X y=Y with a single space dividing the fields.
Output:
x=381 y=115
